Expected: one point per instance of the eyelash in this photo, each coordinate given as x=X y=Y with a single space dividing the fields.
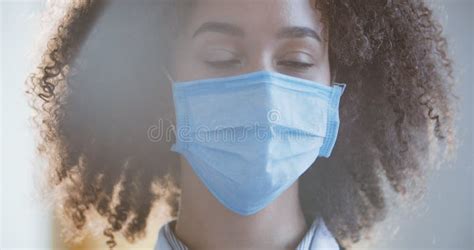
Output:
x=295 y=64
x=223 y=64
x=228 y=63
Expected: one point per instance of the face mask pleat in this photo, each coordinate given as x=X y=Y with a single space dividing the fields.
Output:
x=249 y=137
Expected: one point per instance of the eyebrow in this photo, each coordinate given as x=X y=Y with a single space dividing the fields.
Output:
x=233 y=30
x=298 y=32
x=219 y=27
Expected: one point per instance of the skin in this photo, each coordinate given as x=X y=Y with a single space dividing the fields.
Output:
x=203 y=222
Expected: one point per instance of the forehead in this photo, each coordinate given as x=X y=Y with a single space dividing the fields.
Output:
x=255 y=16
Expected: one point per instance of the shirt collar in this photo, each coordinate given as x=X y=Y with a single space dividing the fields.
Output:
x=318 y=237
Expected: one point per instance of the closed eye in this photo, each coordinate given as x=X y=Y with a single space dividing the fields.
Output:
x=224 y=64
x=295 y=64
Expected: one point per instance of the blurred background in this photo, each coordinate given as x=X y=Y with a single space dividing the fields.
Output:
x=444 y=219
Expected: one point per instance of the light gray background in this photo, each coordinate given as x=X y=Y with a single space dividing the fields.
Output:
x=446 y=218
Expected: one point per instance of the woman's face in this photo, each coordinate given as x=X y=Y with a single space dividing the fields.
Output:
x=224 y=38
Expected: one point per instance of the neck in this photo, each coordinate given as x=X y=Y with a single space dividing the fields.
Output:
x=204 y=223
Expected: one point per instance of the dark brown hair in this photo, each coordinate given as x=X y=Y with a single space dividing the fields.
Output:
x=397 y=116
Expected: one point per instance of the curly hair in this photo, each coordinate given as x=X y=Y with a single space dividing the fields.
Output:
x=397 y=116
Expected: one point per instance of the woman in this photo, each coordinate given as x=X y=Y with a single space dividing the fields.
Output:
x=104 y=92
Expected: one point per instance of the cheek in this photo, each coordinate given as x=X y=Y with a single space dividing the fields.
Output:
x=184 y=66
x=326 y=71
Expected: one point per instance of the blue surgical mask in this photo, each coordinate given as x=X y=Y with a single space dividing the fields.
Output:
x=249 y=137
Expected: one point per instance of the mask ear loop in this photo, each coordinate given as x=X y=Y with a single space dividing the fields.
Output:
x=333 y=67
x=333 y=76
x=167 y=74
x=165 y=71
